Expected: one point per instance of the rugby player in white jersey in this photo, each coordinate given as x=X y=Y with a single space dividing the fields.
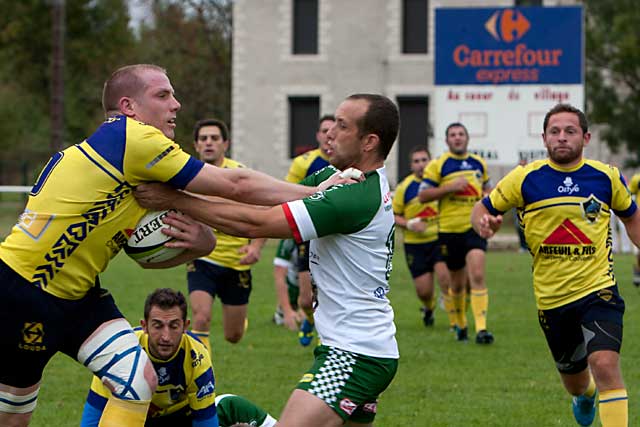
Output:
x=351 y=229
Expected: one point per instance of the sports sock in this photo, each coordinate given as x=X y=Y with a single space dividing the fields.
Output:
x=124 y=413
x=613 y=408
x=309 y=313
x=458 y=302
x=479 y=305
x=591 y=388
x=448 y=306
x=203 y=336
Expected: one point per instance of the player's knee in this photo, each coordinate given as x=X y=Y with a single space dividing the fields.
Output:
x=201 y=320
x=233 y=336
x=150 y=376
x=14 y=420
x=113 y=353
x=604 y=362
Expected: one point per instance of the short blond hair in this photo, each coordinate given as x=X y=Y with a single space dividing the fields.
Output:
x=125 y=81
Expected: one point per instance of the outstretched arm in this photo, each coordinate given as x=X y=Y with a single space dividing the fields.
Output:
x=250 y=186
x=233 y=218
x=485 y=224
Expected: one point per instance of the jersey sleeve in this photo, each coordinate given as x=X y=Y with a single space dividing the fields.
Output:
x=150 y=156
x=431 y=174
x=398 y=199
x=507 y=194
x=94 y=406
x=342 y=209
x=634 y=184
x=486 y=180
x=283 y=253
x=297 y=170
x=234 y=409
x=621 y=201
x=201 y=391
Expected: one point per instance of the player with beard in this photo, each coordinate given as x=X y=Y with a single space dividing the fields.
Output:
x=566 y=202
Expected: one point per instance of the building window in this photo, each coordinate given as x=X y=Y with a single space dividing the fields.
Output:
x=415 y=129
x=415 y=16
x=528 y=3
x=304 y=112
x=305 y=27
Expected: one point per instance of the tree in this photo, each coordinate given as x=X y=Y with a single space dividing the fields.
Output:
x=192 y=40
x=612 y=32
x=97 y=40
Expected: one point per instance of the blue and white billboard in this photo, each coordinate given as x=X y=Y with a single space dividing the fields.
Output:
x=512 y=46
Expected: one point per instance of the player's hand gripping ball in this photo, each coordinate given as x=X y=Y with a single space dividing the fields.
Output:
x=146 y=242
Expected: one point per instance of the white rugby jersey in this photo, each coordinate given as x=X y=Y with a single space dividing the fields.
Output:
x=351 y=229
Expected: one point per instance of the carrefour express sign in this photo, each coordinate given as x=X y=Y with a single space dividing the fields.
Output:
x=529 y=45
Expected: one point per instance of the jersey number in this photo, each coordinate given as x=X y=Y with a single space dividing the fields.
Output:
x=46 y=171
x=390 y=243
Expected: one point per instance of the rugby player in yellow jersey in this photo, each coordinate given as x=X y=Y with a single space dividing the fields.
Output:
x=634 y=187
x=77 y=218
x=186 y=384
x=458 y=179
x=225 y=272
x=419 y=222
x=301 y=167
x=186 y=390
x=566 y=202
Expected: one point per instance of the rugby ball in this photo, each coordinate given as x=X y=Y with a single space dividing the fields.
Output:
x=146 y=241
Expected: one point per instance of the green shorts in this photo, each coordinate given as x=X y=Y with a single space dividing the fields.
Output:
x=349 y=383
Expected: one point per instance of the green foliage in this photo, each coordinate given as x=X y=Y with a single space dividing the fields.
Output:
x=440 y=382
x=613 y=72
x=192 y=40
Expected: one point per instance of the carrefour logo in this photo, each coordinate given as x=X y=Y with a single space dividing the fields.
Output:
x=508 y=25
x=529 y=45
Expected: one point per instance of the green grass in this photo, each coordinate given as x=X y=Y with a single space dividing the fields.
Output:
x=440 y=382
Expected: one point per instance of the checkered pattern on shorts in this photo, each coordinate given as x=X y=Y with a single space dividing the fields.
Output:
x=333 y=374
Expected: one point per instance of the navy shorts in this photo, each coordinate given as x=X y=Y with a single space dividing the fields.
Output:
x=454 y=247
x=303 y=257
x=36 y=325
x=233 y=287
x=577 y=329
x=421 y=257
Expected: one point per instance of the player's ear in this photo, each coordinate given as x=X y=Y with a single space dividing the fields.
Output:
x=371 y=142
x=143 y=324
x=126 y=106
x=186 y=324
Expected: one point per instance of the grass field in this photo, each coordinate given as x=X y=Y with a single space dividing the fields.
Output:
x=440 y=382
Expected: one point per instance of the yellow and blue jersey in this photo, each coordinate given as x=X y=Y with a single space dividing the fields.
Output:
x=455 y=208
x=565 y=214
x=226 y=252
x=186 y=383
x=634 y=185
x=306 y=164
x=407 y=204
x=81 y=208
